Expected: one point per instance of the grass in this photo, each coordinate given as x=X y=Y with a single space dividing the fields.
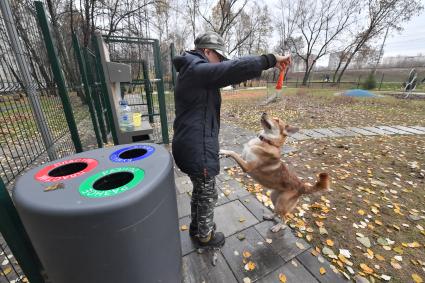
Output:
x=377 y=182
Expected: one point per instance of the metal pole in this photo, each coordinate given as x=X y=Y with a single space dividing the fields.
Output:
x=161 y=94
x=57 y=73
x=13 y=232
x=148 y=90
x=382 y=78
x=27 y=80
x=173 y=70
x=85 y=81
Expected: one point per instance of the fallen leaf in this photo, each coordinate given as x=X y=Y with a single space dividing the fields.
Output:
x=282 y=277
x=329 y=242
x=299 y=245
x=242 y=219
x=246 y=254
x=54 y=187
x=250 y=266
x=6 y=271
x=366 y=269
x=380 y=257
x=183 y=227
x=247 y=280
x=417 y=278
x=322 y=270
x=269 y=241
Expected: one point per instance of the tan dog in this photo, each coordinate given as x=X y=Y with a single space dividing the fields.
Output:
x=261 y=160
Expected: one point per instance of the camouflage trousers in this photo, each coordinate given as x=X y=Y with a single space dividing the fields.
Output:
x=204 y=198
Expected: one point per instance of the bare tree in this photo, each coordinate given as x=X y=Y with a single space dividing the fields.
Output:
x=319 y=24
x=380 y=15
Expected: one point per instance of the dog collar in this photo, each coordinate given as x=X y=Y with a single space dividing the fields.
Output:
x=266 y=140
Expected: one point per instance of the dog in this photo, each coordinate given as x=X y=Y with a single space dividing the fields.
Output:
x=261 y=160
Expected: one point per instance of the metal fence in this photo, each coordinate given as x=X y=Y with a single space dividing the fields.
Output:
x=34 y=120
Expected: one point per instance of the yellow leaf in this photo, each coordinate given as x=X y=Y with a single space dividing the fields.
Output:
x=250 y=266
x=300 y=246
x=322 y=270
x=378 y=222
x=6 y=271
x=329 y=242
x=54 y=187
x=366 y=269
x=370 y=252
x=417 y=278
x=282 y=277
x=246 y=254
x=241 y=219
x=414 y=245
x=227 y=192
x=380 y=257
x=361 y=212
x=183 y=227
x=309 y=237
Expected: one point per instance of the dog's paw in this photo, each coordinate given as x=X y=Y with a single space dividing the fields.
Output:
x=268 y=217
x=276 y=228
x=224 y=153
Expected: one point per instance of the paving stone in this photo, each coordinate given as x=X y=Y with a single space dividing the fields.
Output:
x=312 y=133
x=362 y=131
x=198 y=268
x=411 y=130
x=294 y=272
x=283 y=242
x=222 y=199
x=235 y=188
x=344 y=132
x=228 y=218
x=254 y=206
x=265 y=259
x=328 y=133
x=185 y=240
x=420 y=128
x=312 y=264
x=183 y=205
x=394 y=130
x=223 y=177
x=183 y=184
x=378 y=131
x=300 y=137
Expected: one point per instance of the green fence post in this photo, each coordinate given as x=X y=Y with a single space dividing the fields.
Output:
x=148 y=90
x=161 y=94
x=16 y=238
x=382 y=78
x=97 y=103
x=173 y=70
x=57 y=72
x=105 y=91
x=85 y=81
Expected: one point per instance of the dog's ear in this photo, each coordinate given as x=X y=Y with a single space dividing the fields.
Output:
x=289 y=130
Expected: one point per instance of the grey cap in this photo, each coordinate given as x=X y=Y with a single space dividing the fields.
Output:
x=211 y=40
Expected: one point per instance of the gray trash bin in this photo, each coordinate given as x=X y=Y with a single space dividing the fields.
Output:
x=107 y=215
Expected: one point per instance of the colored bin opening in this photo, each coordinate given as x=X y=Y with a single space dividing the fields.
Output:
x=65 y=170
x=132 y=153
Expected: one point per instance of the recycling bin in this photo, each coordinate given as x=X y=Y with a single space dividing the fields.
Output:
x=106 y=215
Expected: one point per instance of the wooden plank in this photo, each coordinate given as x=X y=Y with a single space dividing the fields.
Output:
x=313 y=265
x=328 y=133
x=394 y=130
x=233 y=217
x=262 y=255
x=362 y=131
x=255 y=207
x=293 y=270
x=410 y=130
x=344 y=132
x=283 y=242
x=299 y=136
x=311 y=133
x=198 y=268
x=183 y=205
x=378 y=131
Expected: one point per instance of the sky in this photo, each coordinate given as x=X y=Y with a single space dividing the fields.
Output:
x=408 y=42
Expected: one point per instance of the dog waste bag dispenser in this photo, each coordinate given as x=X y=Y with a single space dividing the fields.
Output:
x=107 y=216
x=129 y=128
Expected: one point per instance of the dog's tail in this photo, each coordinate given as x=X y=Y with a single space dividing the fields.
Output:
x=322 y=184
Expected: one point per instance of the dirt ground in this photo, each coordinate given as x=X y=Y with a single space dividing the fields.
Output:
x=372 y=222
